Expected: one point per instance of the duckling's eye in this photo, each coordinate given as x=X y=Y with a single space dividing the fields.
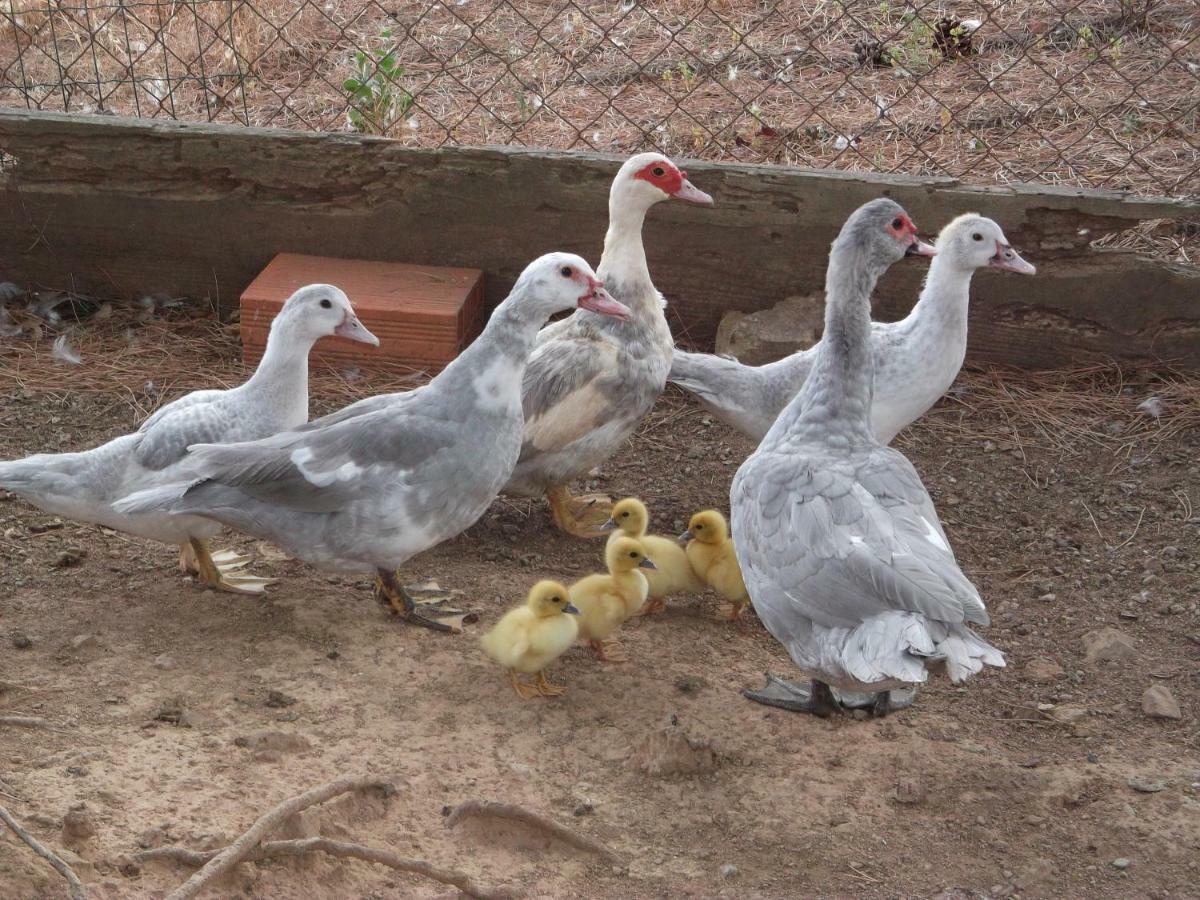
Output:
x=326 y=304
x=633 y=554
x=660 y=171
x=897 y=224
x=625 y=515
x=556 y=599
x=567 y=272
x=699 y=527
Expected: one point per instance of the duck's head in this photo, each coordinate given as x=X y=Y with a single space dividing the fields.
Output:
x=974 y=242
x=650 y=178
x=626 y=554
x=322 y=310
x=882 y=233
x=549 y=598
x=561 y=281
x=630 y=515
x=707 y=527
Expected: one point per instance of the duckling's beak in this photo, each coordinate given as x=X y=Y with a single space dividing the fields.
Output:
x=918 y=247
x=572 y=609
x=598 y=300
x=685 y=537
x=689 y=192
x=609 y=525
x=1010 y=260
x=646 y=563
x=354 y=330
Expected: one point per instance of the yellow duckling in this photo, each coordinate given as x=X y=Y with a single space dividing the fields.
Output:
x=673 y=575
x=530 y=637
x=710 y=551
x=606 y=601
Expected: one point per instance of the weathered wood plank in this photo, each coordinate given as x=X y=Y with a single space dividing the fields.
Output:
x=128 y=206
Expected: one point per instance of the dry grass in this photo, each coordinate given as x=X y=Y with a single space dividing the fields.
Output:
x=1098 y=93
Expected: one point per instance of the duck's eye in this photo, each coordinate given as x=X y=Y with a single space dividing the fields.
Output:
x=567 y=272
x=633 y=554
x=897 y=224
x=625 y=515
x=699 y=527
x=659 y=171
x=326 y=304
x=977 y=236
x=556 y=599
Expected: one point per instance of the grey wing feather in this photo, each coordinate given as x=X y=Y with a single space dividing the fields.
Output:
x=359 y=408
x=165 y=441
x=187 y=400
x=568 y=389
x=322 y=470
x=838 y=553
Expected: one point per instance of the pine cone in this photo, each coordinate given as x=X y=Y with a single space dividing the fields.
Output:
x=952 y=38
x=870 y=52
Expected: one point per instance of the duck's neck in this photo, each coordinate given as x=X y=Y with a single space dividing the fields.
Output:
x=941 y=309
x=632 y=586
x=283 y=370
x=623 y=267
x=834 y=406
x=503 y=346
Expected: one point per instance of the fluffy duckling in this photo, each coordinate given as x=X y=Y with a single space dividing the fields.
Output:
x=673 y=575
x=606 y=601
x=710 y=551
x=530 y=637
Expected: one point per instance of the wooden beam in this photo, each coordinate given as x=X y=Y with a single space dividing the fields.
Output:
x=129 y=206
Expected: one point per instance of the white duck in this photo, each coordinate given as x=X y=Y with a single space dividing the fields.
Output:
x=916 y=359
x=591 y=378
x=83 y=486
x=369 y=487
x=844 y=557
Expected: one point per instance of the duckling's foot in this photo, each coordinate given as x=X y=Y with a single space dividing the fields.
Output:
x=609 y=650
x=524 y=689
x=429 y=611
x=814 y=697
x=547 y=688
x=652 y=606
x=187 y=560
x=583 y=516
x=730 y=611
x=219 y=571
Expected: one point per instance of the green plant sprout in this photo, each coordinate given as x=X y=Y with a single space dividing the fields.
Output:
x=377 y=102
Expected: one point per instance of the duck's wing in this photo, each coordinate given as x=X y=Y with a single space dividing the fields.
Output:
x=166 y=436
x=839 y=542
x=324 y=469
x=571 y=386
x=358 y=408
x=748 y=398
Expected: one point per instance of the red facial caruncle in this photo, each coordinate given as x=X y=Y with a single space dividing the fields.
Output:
x=902 y=228
x=664 y=176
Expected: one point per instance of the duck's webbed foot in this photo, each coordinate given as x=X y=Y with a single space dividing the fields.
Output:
x=879 y=703
x=220 y=570
x=429 y=608
x=581 y=516
x=731 y=610
x=653 y=606
x=609 y=650
x=548 y=688
x=814 y=697
x=525 y=690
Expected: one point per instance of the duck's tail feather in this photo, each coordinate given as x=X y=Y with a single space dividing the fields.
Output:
x=901 y=645
x=51 y=474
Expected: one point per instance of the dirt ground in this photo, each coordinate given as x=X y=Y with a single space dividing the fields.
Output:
x=180 y=715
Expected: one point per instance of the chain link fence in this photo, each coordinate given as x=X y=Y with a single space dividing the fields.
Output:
x=1096 y=93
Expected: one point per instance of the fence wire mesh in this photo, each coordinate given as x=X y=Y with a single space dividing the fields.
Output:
x=1098 y=93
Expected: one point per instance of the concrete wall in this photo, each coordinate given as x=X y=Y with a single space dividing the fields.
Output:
x=121 y=207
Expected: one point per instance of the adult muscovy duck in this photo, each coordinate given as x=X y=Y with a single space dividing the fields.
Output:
x=844 y=557
x=591 y=378
x=84 y=486
x=371 y=486
x=916 y=359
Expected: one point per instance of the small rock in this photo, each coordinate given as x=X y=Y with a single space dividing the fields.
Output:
x=670 y=751
x=1120 y=863
x=165 y=662
x=1038 y=872
x=1107 y=644
x=1043 y=671
x=583 y=809
x=1145 y=786
x=269 y=742
x=1068 y=714
x=696 y=451
x=909 y=790
x=20 y=640
x=279 y=700
x=332 y=654
x=1159 y=703
x=690 y=684
x=82 y=642
x=78 y=825
x=1048 y=598
x=729 y=870
x=72 y=556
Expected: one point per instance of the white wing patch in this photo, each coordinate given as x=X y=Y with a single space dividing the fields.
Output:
x=931 y=535
x=345 y=472
x=499 y=385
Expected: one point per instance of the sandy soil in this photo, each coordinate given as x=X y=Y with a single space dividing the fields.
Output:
x=180 y=714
